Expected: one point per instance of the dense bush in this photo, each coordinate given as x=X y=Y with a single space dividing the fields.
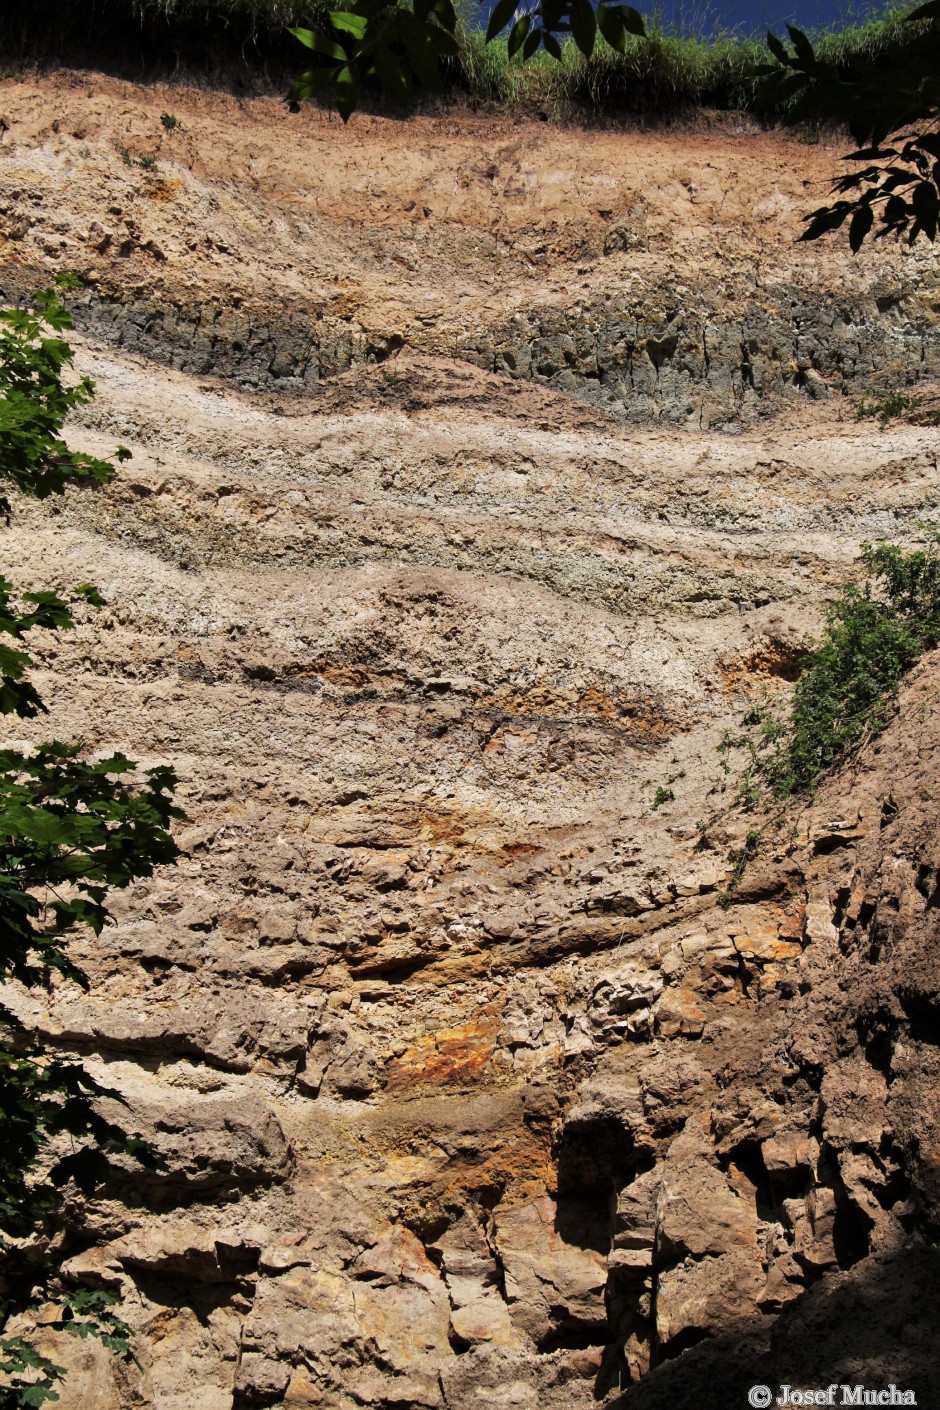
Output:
x=846 y=691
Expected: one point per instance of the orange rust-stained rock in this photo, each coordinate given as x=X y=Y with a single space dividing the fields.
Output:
x=770 y=667
x=450 y=1055
x=680 y=1012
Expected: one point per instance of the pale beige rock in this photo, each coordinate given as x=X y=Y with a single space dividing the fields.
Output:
x=548 y=1282
x=698 y=1295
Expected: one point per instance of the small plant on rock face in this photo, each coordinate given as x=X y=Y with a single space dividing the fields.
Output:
x=886 y=407
x=662 y=795
x=741 y=858
x=129 y=159
x=169 y=121
x=921 y=411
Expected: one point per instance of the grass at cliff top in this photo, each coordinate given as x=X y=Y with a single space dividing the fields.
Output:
x=246 y=40
x=666 y=73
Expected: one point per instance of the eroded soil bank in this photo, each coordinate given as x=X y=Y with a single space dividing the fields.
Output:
x=481 y=474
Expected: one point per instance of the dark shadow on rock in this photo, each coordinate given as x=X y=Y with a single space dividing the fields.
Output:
x=874 y=1325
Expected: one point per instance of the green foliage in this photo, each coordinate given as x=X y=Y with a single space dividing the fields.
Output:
x=662 y=795
x=887 y=407
x=34 y=403
x=547 y=23
x=130 y=158
x=65 y=822
x=169 y=121
x=846 y=692
x=389 y=44
x=741 y=857
x=398 y=47
x=895 y=188
x=30 y=1377
x=894 y=404
x=71 y=829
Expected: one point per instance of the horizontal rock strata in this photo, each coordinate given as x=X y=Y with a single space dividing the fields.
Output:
x=468 y=1078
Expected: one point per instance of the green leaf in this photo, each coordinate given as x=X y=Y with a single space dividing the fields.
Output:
x=615 y=22
x=804 y=50
x=777 y=48
x=551 y=45
x=502 y=13
x=533 y=40
x=36 y=824
x=517 y=34
x=349 y=22
x=634 y=22
x=328 y=48
x=611 y=25
x=90 y=593
x=445 y=14
x=347 y=92
x=583 y=26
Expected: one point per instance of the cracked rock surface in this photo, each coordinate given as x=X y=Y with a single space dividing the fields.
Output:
x=478 y=482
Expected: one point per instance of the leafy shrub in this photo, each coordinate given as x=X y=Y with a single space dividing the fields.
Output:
x=891 y=405
x=70 y=830
x=846 y=692
x=886 y=407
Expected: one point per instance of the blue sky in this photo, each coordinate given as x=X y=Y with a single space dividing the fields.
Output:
x=759 y=15
x=751 y=16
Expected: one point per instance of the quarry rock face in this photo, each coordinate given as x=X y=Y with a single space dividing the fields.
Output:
x=480 y=479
